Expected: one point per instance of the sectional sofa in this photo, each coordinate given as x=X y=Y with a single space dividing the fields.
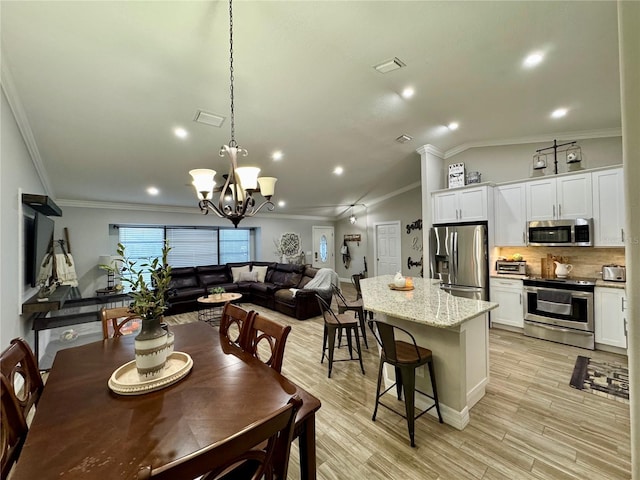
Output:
x=266 y=284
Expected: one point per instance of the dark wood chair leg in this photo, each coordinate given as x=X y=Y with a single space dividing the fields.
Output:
x=332 y=344
x=380 y=368
x=433 y=387
x=359 y=349
x=361 y=319
x=324 y=343
x=409 y=387
x=399 y=382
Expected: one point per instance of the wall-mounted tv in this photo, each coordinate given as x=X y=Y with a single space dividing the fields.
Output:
x=39 y=242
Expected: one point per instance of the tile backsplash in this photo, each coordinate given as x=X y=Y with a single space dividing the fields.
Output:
x=587 y=262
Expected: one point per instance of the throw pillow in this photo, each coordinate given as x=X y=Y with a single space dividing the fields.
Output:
x=248 y=277
x=261 y=271
x=235 y=272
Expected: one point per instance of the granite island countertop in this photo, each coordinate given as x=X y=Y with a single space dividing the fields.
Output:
x=426 y=304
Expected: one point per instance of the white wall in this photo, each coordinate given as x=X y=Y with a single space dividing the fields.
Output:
x=16 y=171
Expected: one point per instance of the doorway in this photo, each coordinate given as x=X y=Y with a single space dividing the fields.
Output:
x=387 y=248
x=323 y=248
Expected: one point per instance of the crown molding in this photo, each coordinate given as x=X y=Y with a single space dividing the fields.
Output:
x=431 y=149
x=9 y=89
x=583 y=135
x=400 y=191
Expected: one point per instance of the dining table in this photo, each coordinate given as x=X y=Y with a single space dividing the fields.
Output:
x=82 y=429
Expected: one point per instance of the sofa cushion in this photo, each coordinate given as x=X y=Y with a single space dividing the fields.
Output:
x=179 y=271
x=284 y=295
x=270 y=268
x=263 y=288
x=248 y=276
x=260 y=271
x=189 y=293
x=179 y=282
x=208 y=279
x=235 y=272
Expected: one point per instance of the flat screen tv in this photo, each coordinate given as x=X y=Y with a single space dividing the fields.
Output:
x=41 y=239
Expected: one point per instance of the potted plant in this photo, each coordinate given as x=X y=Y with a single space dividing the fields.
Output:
x=150 y=303
x=217 y=292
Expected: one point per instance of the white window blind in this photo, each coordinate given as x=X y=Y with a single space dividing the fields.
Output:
x=191 y=247
x=142 y=244
x=234 y=245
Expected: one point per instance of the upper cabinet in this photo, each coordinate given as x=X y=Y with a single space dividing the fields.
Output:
x=565 y=197
x=461 y=205
x=510 y=215
x=608 y=208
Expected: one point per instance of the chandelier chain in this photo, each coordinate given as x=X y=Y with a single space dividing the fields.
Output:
x=233 y=142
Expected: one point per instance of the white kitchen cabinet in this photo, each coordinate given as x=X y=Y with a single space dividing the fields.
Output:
x=508 y=293
x=510 y=217
x=565 y=197
x=608 y=208
x=461 y=205
x=609 y=316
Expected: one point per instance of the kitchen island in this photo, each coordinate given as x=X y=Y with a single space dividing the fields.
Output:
x=455 y=329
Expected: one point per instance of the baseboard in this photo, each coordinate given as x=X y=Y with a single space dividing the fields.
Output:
x=509 y=328
x=476 y=393
x=456 y=419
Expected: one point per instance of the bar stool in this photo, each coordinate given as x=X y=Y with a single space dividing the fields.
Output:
x=405 y=357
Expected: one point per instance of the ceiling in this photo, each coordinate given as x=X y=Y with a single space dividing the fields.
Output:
x=102 y=85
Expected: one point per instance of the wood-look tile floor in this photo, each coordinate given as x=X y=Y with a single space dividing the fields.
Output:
x=530 y=424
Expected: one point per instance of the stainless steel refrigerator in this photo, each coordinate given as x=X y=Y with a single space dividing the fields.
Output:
x=459 y=259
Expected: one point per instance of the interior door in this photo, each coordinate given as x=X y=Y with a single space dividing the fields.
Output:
x=387 y=248
x=323 y=248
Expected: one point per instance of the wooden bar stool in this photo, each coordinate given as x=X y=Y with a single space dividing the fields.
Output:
x=405 y=357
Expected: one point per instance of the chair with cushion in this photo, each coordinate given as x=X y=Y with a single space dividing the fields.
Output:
x=405 y=357
x=19 y=366
x=336 y=324
x=234 y=323
x=266 y=340
x=356 y=306
x=119 y=321
x=13 y=427
x=260 y=450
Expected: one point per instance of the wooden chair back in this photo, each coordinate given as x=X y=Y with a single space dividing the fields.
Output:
x=329 y=315
x=12 y=425
x=266 y=340
x=116 y=320
x=396 y=351
x=262 y=448
x=19 y=366
x=234 y=323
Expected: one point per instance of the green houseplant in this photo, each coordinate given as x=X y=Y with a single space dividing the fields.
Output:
x=217 y=291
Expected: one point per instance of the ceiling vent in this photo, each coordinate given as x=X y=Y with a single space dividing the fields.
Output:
x=390 y=65
x=209 y=118
x=404 y=139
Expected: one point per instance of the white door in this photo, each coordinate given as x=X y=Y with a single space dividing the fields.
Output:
x=323 y=248
x=387 y=248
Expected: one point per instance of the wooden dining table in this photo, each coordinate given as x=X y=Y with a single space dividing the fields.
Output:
x=82 y=429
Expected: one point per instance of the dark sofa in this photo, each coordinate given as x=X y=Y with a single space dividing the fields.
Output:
x=189 y=283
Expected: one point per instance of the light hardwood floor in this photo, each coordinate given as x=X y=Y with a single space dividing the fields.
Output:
x=530 y=425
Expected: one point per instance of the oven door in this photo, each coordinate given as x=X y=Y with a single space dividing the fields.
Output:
x=579 y=318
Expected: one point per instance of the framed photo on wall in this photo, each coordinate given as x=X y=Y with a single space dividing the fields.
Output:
x=456 y=175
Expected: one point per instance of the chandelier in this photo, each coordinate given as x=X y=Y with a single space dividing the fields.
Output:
x=237 y=196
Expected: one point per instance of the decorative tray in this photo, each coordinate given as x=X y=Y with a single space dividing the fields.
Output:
x=401 y=289
x=125 y=380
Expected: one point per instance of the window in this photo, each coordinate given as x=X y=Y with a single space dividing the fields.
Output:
x=190 y=246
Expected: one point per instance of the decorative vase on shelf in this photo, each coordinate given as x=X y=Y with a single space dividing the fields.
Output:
x=151 y=349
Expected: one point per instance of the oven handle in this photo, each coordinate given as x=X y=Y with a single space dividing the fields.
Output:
x=574 y=293
x=559 y=329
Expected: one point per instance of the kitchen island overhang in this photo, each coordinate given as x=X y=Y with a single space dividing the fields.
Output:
x=455 y=329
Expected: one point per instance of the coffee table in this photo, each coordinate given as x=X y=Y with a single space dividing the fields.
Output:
x=210 y=309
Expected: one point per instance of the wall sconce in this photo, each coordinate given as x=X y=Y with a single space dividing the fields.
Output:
x=574 y=154
x=539 y=161
x=352 y=218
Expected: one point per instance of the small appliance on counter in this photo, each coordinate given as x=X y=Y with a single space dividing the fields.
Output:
x=614 y=273
x=511 y=267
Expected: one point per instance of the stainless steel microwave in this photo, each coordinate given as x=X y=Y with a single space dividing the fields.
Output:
x=561 y=233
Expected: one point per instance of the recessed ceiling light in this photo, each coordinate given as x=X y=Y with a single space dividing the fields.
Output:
x=408 y=92
x=453 y=126
x=390 y=65
x=533 y=59
x=277 y=155
x=282 y=203
x=180 y=132
x=559 y=113
x=153 y=191
x=338 y=170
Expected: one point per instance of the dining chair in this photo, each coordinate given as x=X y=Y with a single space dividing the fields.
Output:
x=13 y=427
x=118 y=321
x=335 y=324
x=19 y=366
x=234 y=323
x=405 y=357
x=265 y=340
x=260 y=450
x=355 y=306
x=355 y=279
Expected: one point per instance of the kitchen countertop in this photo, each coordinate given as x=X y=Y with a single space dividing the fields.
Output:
x=510 y=276
x=599 y=281
x=426 y=304
x=603 y=283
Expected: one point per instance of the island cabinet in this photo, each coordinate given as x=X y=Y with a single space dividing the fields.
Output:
x=508 y=294
x=566 y=197
x=608 y=207
x=610 y=317
x=468 y=204
x=455 y=329
x=510 y=217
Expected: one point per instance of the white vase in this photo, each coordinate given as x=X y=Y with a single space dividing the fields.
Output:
x=151 y=350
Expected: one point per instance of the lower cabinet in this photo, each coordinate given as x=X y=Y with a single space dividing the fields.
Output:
x=508 y=293
x=610 y=317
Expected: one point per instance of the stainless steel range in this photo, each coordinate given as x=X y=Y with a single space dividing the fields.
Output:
x=560 y=310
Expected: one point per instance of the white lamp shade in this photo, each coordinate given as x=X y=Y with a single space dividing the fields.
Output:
x=248 y=177
x=105 y=260
x=203 y=181
x=267 y=185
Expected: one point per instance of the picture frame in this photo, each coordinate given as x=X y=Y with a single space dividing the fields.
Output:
x=456 y=175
